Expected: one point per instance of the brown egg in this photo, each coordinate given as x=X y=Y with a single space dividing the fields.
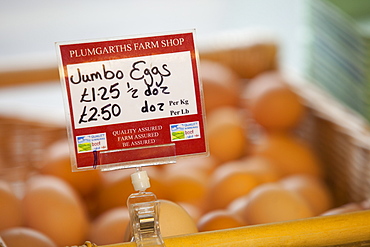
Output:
x=22 y=236
x=229 y=182
x=220 y=85
x=312 y=189
x=174 y=220
x=52 y=207
x=270 y=202
x=239 y=177
x=226 y=134
x=272 y=103
x=10 y=207
x=289 y=154
x=109 y=227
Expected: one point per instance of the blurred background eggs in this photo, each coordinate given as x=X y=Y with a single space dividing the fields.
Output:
x=23 y=236
x=174 y=220
x=221 y=85
x=313 y=189
x=290 y=154
x=272 y=103
x=109 y=227
x=259 y=169
x=11 y=214
x=52 y=207
x=272 y=203
x=228 y=183
x=58 y=163
x=219 y=219
x=226 y=134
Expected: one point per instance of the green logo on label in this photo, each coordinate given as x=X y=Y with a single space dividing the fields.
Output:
x=83 y=147
x=178 y=135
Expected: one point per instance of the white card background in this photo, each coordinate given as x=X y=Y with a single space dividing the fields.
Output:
x=89 y=108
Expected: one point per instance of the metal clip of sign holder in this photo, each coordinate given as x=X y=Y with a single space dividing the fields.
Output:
x=143 y=208
x=144 y=212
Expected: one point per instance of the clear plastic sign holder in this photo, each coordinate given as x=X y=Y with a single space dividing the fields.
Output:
x=143 y=206
x=133 y=102
x=144 y=212
x=148 y=156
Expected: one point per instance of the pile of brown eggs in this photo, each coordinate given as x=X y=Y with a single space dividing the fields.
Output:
x=258 y=171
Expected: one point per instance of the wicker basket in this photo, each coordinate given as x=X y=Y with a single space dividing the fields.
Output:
x=22 y=145
x=339 y=136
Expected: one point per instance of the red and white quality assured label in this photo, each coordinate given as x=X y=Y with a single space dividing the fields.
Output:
x=133 y=99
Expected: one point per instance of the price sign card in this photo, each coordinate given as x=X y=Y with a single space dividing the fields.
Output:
x=132 y=101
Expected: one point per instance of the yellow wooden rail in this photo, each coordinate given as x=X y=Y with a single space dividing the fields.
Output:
x=335 y=230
